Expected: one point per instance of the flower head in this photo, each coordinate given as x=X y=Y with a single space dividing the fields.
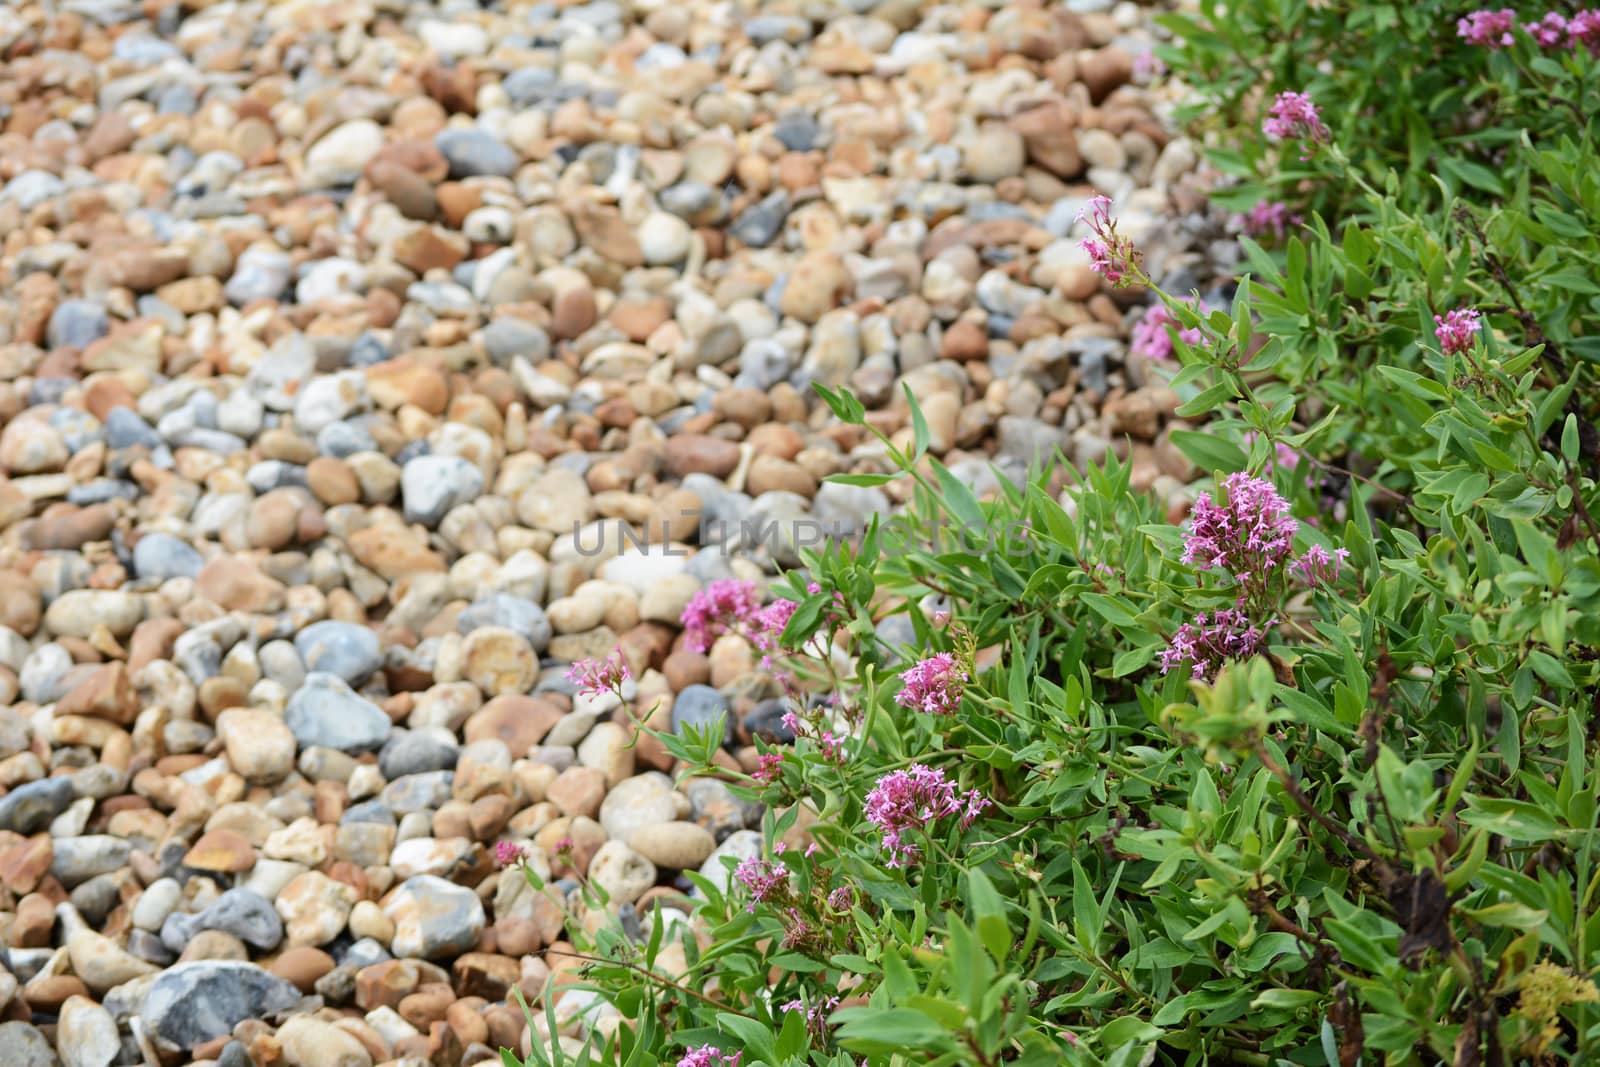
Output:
x=709 y=1056
x=1490 y=29
x=910 y=799
x=508 y=852
x=725 y=605
x=765 y=879
x=1110 y=254
x=1456 y=330
x=1248 y=536
x=769 y=766
x=1318 y=567
x=1153 y=339
x=934 y=685
x=1213 y=637
x=1549 y=31
x=1584 y=28
x=596 y=676
x=1294 y=116
x=1268 y=217
x=841 y=898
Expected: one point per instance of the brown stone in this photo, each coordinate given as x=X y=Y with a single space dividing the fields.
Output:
x=24 y=865
x=20 y=604
x=692 y=453
x=403 y=187
x=482 y=974
x=769 y=473
x=578 y=791
x=964 y=342
x=234 y=583
x=603 y=230
x=1104 y=70
x=574 y=313
x=427 y=1005
x=392 y=553
x=221 y=850
x=331 y=481
x=302 y=966
x=273 y=518
x=386 y=984
x=638 y=316
x=1050 y=136
x=107 y=693
x=70 y=529
x=406 y=380
x=428 y=248
x=36 y=917
x=517 y=720
x=152 y=640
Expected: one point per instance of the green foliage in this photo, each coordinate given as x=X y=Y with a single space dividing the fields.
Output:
x=1373 y=843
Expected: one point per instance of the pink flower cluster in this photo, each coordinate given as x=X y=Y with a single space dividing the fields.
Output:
x=723 y=606
x=1456 y=330
x=596 y=676
x=911 y=799
x=1152 y=339
x=1268 y=217
x=1489 y=28
x=709 y=1056
x=765 y=879
x=934 y=685
x=816 y=1015
x=1249 y=536
x=1294 y=116
x=769 y=767
x=508 y=852
x=1493 y=29
x=1226 y=633
x=1318 y=566
x=729 y=605
x=1110 y=254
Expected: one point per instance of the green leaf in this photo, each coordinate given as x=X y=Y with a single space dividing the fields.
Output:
x=883 y=1030
x=1510 y=913
x=865 y=480
x=919 y=425
x=1110 y=609
x=1208 y=451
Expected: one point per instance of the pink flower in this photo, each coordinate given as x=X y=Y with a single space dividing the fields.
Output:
x=935 y=685
x=1227 y=633
x=1549 y=31
x=1247 y=537
x=1268 y=217
x=1490 y=29
x=596 y=676
x=767 y=627
x=508 y=852
x=1456 y=330
x=911 y=799
x=1317 y=567
x=1147 y=66
x=709 y=1056
x=1110 y=254
x=1152 y=339
x=765 y=879
x=841 y=898
x=817 y=1014
x=1294 y=116
x=832 y=747
x=724 y=606
x=1584 y=29
x=769 y=766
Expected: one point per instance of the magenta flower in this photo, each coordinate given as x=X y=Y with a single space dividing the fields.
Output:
x=1110 y=254
x=709 y=1056
x=1220 y=635
x=1294 y=116
x=908 y=800
x=816 y=1015
x=1489 y=29
x=769 y=766
x=596 y=676
x=935 y=685
x=841 y=898
x=765 y=879
x=508 y=852
x=1549 y=31
x=1248 y=536
x=767 y=627
x=1152 y=339
x=1268 y=217
x=726 y=605
x=1456 y=330
x=1584 y=28
x=1317 y=567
